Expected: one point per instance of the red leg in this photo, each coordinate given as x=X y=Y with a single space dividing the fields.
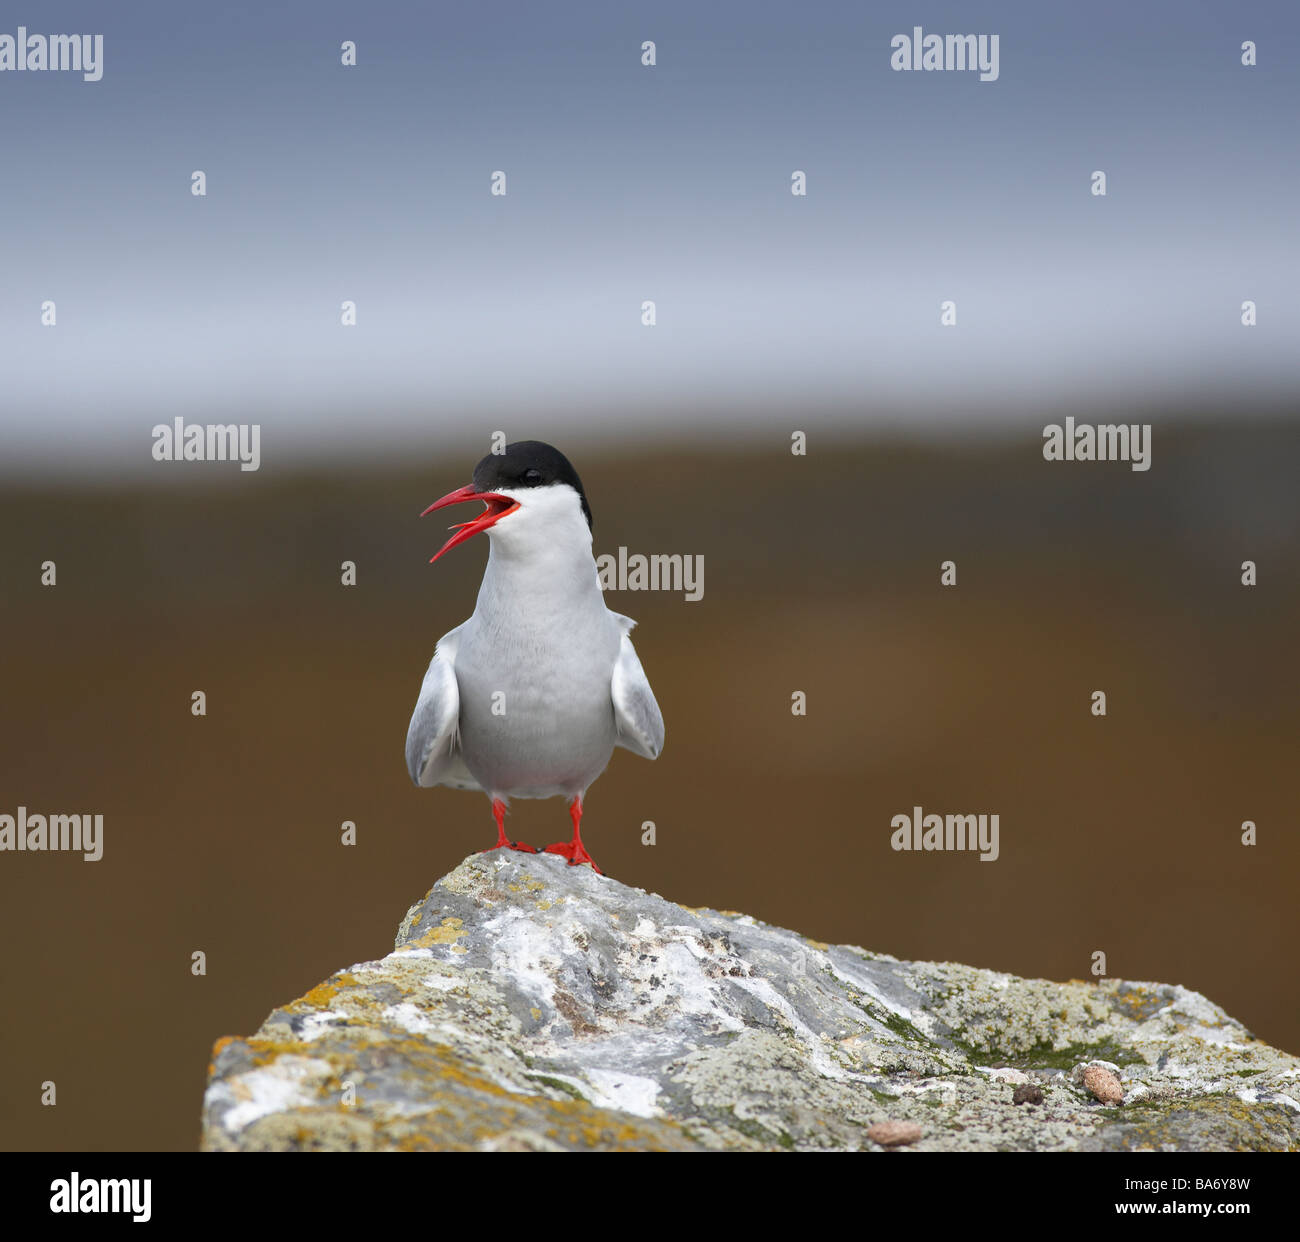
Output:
x=574 y=850
x=499 y=814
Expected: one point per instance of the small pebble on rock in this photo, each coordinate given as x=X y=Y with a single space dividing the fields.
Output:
x=894 y=1133
x=1103 y=1085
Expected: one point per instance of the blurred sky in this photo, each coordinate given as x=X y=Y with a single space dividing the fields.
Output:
x=625 y=183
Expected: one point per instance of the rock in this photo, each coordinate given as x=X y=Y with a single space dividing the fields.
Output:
x=1102 y=1083
x=1005 y=1073
x=894 y=1133
x=534 y=1006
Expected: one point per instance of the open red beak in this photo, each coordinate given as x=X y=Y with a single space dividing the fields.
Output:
x=497 y=508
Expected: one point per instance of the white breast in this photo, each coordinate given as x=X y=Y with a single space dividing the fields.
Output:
x=536 y=661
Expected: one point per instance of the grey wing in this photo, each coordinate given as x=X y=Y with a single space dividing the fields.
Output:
x=636 y=714
x=432 y=740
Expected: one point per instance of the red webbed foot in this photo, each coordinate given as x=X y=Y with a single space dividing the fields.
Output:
x=574 y=850
x=503 y=842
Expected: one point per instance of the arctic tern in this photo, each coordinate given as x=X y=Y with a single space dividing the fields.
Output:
x=529 y=697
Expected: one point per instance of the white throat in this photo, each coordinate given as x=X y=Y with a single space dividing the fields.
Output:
x=541 y=553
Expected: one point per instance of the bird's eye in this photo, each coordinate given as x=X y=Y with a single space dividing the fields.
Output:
x=532 y=477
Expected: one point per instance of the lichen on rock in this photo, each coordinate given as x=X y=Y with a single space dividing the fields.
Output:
x=529 y=1005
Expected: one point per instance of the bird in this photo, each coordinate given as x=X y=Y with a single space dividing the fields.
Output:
x=530 y=696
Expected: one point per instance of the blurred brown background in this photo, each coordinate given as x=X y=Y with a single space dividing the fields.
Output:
x=821 y=574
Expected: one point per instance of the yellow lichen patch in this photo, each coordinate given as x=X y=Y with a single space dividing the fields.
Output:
x=817 y=944
x=527 y=885
x=267 y=1050
x=569 y=1122
x=451 y=930
x=321 y=995
x=464 y=1109
x=1135 y=1002
x=537 y=1013
x=595 y=1128
x=217 y=1049
x=452 y=1070
x=416 y=1141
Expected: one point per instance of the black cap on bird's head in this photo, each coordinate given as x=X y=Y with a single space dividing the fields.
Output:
x=529 y=463
x=525 y=464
